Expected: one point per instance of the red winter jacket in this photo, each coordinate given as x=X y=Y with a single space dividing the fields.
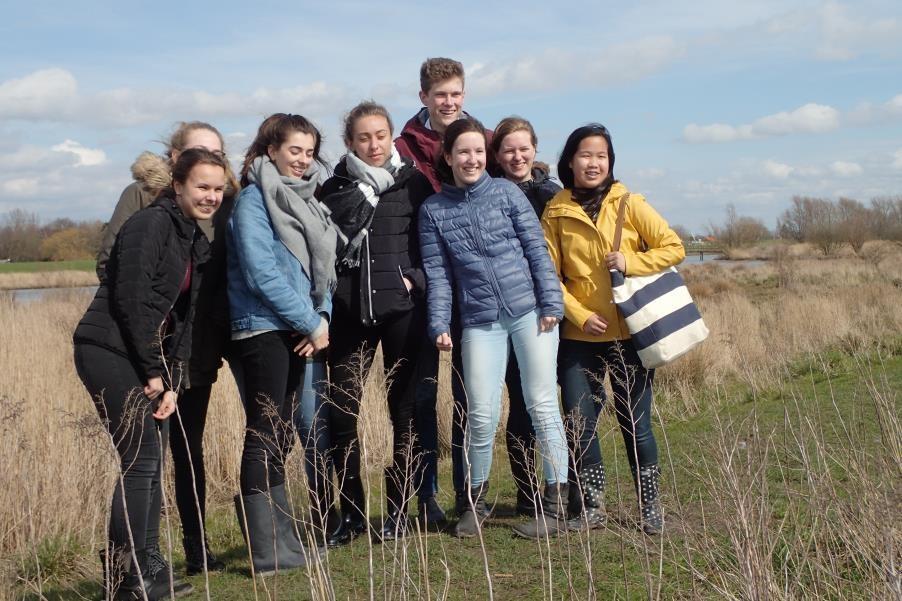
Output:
x=422 y=145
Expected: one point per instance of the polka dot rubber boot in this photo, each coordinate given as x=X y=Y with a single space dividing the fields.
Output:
x=649 y=503
x=592 y=482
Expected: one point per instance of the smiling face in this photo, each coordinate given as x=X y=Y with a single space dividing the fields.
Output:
x=590 y=163
x=371 y=140
x=295 y=155
x=444 y=101
x=199 y=138
x=516 y=155
x=467 y=159
x=201 y=193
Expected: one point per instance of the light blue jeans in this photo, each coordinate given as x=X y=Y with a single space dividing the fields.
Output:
x=484 y=351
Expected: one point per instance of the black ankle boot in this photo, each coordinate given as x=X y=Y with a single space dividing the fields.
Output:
x=551 y=517
x=125 y=580
x=652 y=518
x=474 y=514
x=159 y=570
x=592 y=514
x=197 y=549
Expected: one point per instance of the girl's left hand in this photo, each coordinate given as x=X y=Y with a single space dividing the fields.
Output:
x=167 y=405
x=615 y=261
x=546 y=324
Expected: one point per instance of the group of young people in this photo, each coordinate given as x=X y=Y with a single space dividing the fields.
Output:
x=447 y=238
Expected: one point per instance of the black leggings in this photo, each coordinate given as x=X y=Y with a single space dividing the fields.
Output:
x=186 y=442
x=351 y=351
x=271 y=374
x=118 y=394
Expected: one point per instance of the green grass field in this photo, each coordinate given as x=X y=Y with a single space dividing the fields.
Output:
x=776 y=478
x=39 y=266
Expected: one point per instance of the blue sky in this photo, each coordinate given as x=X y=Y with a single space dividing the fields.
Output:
x=709 y=103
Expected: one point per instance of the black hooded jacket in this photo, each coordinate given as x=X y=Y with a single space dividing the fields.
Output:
x=391 y=249
x=540 y=189
x=138 y=310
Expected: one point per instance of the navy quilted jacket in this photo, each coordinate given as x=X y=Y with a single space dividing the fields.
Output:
x=486 y=242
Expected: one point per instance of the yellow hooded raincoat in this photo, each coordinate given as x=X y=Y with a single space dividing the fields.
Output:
x=578 y=247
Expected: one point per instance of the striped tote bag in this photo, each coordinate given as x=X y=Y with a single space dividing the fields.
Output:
x=661 y=316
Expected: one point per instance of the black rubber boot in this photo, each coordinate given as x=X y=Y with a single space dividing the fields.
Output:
x=474 y=514
x=288 y=541
x=551 y=520
x=592 y=514
x=353 y=519
x=395 y=524
x=273 y=546
x=647 y=484
x=197 y=548
x=158 y=569
x=431 y=516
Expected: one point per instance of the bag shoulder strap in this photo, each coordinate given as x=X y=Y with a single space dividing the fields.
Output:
x=618 y=229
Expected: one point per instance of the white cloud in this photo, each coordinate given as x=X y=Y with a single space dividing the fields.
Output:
x=844 y=33
x=553 y=68
x=897 y=159
x=809 y=118
x=22 y=187
x=777 y=170
x=86 y=157
x=651 y=173
x=52 y=95
x=845 y=168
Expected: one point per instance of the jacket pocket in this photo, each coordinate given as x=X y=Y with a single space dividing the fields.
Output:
x=404 y=289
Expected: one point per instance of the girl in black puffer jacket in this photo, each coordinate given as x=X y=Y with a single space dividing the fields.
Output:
x=514 y=145
x=130 y=348
x=374 y=197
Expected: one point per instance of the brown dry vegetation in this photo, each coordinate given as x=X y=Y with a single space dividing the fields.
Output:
x=55 y=483
x=48 y=279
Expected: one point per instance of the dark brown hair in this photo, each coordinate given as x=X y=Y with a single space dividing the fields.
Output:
x=367 y=108
x=191 y=158
x=454 y=131
x=437 y=70
x=274 y=130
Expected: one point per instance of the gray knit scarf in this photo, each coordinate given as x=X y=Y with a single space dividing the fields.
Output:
x=301 y=222
x=372 y=181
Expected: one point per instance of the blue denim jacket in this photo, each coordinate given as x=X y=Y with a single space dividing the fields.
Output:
x=268 y=289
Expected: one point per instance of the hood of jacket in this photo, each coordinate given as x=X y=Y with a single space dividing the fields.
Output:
x=152 y=171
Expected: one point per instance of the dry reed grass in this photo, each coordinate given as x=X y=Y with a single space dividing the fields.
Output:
x=54 y=484
x=47 y=279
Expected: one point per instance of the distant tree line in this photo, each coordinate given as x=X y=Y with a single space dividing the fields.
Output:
x=830 y=225
x=24 y=238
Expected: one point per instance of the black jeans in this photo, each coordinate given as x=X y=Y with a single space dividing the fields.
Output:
x=351 y=350
x=270 y=374
x=186 y=442
x=581 y=370
x=118 y=394
x=520 y=435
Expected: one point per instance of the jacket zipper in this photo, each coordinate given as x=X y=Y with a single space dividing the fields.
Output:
x=369 y=281
x=481 y=244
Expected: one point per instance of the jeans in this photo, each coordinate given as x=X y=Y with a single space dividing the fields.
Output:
x=270 y=373
x=118 y=394
x=484 y=350
x=582 y=367
x=186 y=442
x=351 y=352
x=311 y=420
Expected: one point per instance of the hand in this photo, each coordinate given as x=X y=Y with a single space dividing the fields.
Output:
x=154 y=387
x=546 y=324
x=615 y=261
x=308 y=346
x=443 y=342
x=167 y=405
x=407 y=283
x=595 y=325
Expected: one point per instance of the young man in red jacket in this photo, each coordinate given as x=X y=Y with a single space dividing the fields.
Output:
x=442 y=94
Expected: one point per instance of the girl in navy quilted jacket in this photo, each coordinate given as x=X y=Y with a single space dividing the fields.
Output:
x=482 y=245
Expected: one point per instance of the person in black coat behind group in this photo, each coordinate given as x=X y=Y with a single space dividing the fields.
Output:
x=374 y=197
x=514 y=146
x=131 y=348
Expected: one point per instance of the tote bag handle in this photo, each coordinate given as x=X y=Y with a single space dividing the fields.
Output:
x=618 y=229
